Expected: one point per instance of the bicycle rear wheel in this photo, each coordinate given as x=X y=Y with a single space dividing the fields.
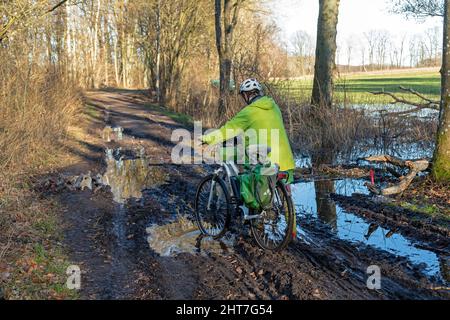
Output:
x=273 y=230
x=212 y=207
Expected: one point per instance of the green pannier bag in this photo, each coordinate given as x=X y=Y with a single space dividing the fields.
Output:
x=256 y=188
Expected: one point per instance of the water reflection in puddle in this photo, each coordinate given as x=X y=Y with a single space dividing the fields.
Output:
x=127 y=177
x=376 y=109
x=184 y=236
x=415 y=150
x=313 y=202
x=112 y=134
x=128 y=173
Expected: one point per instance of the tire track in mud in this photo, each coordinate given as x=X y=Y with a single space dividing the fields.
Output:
x=122 y=264
x=399 y=218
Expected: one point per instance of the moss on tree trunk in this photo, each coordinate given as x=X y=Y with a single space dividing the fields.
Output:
x=441 y=158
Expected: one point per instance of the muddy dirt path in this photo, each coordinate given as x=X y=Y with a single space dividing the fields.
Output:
x=134 y=239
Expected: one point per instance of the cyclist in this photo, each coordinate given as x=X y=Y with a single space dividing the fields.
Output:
x=261 y=112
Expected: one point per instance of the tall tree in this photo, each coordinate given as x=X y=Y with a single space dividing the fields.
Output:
x=22 y=12
x=226 y=18
x=158 y=52
x=324 y=69
x=325 y=52
x=303 y=46
x=441 y=159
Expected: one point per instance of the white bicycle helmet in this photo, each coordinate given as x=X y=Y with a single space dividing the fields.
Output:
x=250 y=85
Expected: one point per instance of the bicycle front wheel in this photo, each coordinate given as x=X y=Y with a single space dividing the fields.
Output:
x=273 y=229
x=212 y=207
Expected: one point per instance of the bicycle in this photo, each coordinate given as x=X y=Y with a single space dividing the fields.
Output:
x=218 y=200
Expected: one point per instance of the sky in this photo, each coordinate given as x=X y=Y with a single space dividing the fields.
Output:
x=355 y=18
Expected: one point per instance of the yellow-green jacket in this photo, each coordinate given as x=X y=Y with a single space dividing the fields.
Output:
x=261 y=114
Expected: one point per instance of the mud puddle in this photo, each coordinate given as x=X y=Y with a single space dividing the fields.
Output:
x=128 y=174
x=112 y=134
x=313 y=205
x=183 y=236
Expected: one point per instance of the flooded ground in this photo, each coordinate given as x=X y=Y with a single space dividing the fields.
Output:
x=128 y=174
x=376 y=109
x=415 y=150
x=135 y=237
x=183 y=236
x=407 y=136
x=313 y=203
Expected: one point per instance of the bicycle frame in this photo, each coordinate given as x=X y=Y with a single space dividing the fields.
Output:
x=225 y=185
x=229 y=169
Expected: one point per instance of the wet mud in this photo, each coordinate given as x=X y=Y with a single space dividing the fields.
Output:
x=135 y=237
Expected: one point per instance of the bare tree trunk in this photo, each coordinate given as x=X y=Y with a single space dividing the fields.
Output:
x=116 y=63
x=441 y=159
x=69 y=55
x=95 y=46
x=325 y=53
x=225 y=20
x=322 y=95
x=363 y=59
x=123 y=55
x=158 y=52
x=218 y=28
x=402 y=47
x=106 y=49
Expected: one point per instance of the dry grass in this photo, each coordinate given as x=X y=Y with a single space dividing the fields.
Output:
x=32 y=261
x=37 y=107
x=346 y=133
x=325 y=132
x=432 y=197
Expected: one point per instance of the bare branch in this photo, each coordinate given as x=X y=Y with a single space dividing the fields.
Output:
x=428 y=104
x=6 y=27
x=415 y=166
x=218 y=26
x=419 y=9
x=421 y=96
x=24 y=12
x=56 y=6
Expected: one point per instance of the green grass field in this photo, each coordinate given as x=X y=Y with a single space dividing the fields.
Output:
x=356 y=88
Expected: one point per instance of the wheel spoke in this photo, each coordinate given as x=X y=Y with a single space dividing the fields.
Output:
x=212 y=221
x=271 y=230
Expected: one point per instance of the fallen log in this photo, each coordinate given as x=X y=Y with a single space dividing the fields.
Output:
x=414 y=166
